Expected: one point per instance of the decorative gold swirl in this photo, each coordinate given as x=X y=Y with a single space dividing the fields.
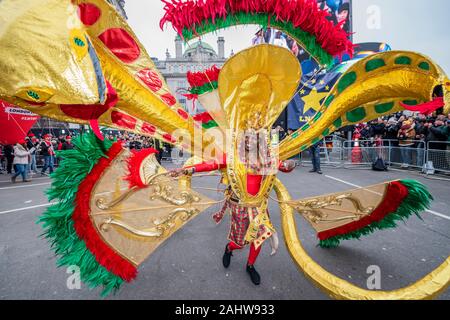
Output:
x=170 y=222
x=311 y=208
x=161 y=226
x=150 y=233
x=165 y=193
x=102 y=203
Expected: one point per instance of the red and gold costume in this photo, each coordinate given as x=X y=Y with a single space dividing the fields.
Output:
x=242 y=215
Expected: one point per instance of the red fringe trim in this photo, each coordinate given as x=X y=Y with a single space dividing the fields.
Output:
x=85 y=229
x=134 y=164
x=198 y=79
x=395 y=195
x=426 y=108
x=303 y=14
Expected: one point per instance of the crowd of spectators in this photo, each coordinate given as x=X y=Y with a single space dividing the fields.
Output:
x=23 y=158
x=400 y=130
x=411 y=135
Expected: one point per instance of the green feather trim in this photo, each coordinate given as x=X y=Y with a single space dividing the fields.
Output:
x=209 y=125
x=305 y=39
x=57 y=220
x=207 y=87
x=418 y=200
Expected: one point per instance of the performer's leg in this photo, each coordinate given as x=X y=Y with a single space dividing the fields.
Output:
x=253 y=255
x=229 y=248
x=233 y=246
x=312 y=152
x=254 y=275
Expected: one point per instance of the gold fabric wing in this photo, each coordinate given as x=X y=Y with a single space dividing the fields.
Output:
x=134 y=222
x=332 y=211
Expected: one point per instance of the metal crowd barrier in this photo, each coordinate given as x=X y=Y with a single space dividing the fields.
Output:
x=438 y=153
x=424 y=156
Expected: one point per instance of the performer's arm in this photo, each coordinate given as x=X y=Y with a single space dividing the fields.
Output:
x=209 y=166
x=287 y=166
x=202 y=167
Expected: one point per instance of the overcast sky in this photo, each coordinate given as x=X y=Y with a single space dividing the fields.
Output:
x=416 y=25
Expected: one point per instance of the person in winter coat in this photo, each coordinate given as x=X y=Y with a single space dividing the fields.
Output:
x=406 y=136
x=67 y=145
x=32 y=147
x=48 y=151
x=9 y=155
x=21 y=160
x=437 y=135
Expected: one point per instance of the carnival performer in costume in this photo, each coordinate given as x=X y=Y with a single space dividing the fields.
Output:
x=114 y=207
x=250 y=224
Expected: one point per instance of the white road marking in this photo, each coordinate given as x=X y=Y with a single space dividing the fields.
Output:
x=28 y=201
x=9 y=180
x=26 y=186
x=356 y=186
x=353 y=185
x=27 y=208
x=438 y=214
x=344 y=182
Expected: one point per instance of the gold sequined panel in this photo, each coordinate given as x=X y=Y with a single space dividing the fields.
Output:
x=143 y=91
x=256 y=85
x=373 y=87
x=141 y=220
x=44 y=53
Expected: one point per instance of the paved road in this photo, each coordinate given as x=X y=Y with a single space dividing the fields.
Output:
x=188 y=265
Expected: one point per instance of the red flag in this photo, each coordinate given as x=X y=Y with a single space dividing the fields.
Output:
x=15 y=123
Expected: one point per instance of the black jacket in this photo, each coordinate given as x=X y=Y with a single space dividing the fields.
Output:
x=437 y=134
x=377 y=129
x=391 y=132
x=8 y=150
x=67 y=146
x=44 y=149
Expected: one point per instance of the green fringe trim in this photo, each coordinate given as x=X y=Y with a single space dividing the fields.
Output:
x=57 y=220
x=207 y=87
x=305 y=39
x=418 y=200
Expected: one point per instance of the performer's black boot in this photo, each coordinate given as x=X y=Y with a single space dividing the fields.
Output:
x=227 y=257
x=254 y=275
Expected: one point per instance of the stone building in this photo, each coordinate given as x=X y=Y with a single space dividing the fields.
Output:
x=196 y=56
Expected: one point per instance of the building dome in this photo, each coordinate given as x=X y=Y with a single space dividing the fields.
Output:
x=199 y=47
